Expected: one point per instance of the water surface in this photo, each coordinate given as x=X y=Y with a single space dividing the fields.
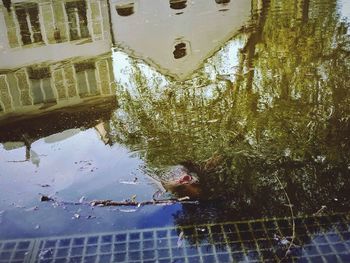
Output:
x=99 y=99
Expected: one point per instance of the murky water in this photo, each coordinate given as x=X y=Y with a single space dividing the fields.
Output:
x=101 y=99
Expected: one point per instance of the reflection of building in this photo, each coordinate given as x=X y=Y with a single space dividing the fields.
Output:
x=176 y=35
x=52 y=86
x=53 y=54
x=38 y=30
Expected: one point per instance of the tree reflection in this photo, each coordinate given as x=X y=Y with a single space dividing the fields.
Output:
x=284 y=112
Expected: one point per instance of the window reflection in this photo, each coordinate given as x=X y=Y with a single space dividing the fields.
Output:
x=33 y=83
x=7 y=4
x=77 y=20
x=222 y=1
x=86 y=78
x=180 y=50
x=125 y=10
x=56 y=83
x=28 y=20
x=40 y=79
x=178 y=4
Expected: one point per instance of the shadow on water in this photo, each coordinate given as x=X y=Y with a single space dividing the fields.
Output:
x=254 y=104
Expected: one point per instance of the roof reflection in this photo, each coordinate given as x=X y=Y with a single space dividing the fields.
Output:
x=176 y=36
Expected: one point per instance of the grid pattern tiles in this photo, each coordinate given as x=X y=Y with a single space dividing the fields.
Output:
x=16 y=251
x=317 y=239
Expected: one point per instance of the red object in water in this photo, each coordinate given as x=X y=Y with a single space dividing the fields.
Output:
x=185 y=179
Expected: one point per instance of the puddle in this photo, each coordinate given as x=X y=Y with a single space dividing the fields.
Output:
x=122 y=100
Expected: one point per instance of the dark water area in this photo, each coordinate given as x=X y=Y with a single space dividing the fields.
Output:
x=102 y=99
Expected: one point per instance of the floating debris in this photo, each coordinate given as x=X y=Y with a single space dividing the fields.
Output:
x=76 y=216
x=129 y=182
x=180 y=240
x=127 y=210
x=44 y=185
x=1 y=213
x=133 y=198
x=34 y=208
x=82 y=199
x=45 y=198
x=320 y=210
x=170 y=201
x=45 y=253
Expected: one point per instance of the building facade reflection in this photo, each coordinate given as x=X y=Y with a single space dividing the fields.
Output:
x=50 y=22
x=176 y=36
x=53 y=54
x=59 y=84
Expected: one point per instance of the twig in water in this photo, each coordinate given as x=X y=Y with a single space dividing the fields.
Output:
x=319 y=211
x=138 y=204
x=133 y=202
x=291 y=243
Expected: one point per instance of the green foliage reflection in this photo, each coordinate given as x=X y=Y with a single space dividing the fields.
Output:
x=283 y=111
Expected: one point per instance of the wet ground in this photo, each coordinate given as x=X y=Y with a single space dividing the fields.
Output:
x=106 y=99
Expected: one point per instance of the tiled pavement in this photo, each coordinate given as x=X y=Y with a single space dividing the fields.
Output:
x=317 y=239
